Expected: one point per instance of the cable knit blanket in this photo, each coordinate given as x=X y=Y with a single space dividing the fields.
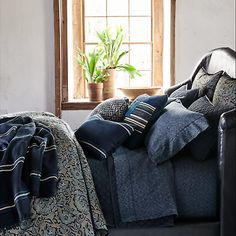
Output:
x=74 y=209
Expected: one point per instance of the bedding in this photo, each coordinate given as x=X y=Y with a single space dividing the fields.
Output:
x=28 y=167
x=75 y=209
x=145 y=191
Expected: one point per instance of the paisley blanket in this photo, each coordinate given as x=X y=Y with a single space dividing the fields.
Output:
x=75 y=209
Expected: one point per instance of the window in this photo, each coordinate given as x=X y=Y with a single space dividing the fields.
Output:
x=76 y=23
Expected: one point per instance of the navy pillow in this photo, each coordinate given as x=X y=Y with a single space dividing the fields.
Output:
x=174 y=129
x=141 y=115
x=186 y=96
x=100 y=138
x=206 y=142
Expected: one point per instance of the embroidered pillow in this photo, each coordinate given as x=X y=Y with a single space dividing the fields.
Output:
x=186 y=96
x=100 y=138
x=225 y=92
x=173 y=130
x=141 y=115
x=206 y=83
x=112 y=109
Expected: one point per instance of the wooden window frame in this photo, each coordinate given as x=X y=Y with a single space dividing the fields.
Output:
x=61 y=57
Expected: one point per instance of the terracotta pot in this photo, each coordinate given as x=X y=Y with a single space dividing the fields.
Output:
x=95 y=92
x=109 y=89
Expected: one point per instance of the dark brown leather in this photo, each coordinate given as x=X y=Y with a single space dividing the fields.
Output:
x=227 y=166
x=214 y=61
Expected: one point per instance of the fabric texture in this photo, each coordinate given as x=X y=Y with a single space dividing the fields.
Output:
x=28 y=167
x=186 y=96
x=100 y=138
x=206 y=142
x=225 y=92
x=174 y=129
x=144 y=190
x=206 y=83
x=75 y=209
x=112 y=109
x=141 y=115
x=196 y=187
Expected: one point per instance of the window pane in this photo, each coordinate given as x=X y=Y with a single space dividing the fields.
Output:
x=122 y=79
x=113 y=22
x=140 y=29
x=95 y=7
x=117 y=7
x=142 y=81
x=140 y=7
x=140 y=56
x=92 y=25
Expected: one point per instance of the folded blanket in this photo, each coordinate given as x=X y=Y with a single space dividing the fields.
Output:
x=28 y=167
x=145 y=191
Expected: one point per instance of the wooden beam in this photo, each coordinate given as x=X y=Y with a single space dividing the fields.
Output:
x=58 y=91
x=172 y=42
x=157 y=24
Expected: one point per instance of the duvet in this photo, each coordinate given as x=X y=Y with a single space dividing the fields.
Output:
x=74 y=209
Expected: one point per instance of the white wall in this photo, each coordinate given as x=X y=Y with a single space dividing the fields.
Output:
x=26 y=55
x=201 y=25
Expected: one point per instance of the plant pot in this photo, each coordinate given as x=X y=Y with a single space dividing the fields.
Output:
x=109 y=89
x=95 y=92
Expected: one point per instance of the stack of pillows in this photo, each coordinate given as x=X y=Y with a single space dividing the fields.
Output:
x=186 y=120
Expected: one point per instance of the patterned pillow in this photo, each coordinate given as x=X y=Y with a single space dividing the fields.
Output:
x=225 y=92
x=186 y=96
x=112 y=109
x=206 y=83
x=97 y=137
x=141 y=115
x=206 y=142
x=173 y=130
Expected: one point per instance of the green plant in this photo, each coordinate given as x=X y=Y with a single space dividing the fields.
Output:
x=93 y=73
x=112 y=53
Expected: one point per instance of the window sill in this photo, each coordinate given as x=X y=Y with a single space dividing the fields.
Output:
x=79 y=105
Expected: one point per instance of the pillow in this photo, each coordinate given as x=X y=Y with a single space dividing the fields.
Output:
x=141 y=115
x=206 y=83
x=225 y=92
x=174 y=129
x=187 y=97
x=206 y=107
x=206 y=142
x=112 y=109
x=100 y=138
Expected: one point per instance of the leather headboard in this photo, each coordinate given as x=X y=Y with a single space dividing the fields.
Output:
x=218 y=59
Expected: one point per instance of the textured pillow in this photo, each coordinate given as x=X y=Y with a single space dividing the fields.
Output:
x=205 y=106
x=225 y=92
x=187 y=97
x=141 y=115
x=112 y=109
x=174 y=129
x=99 y=138
x=206 y=142
x=206 y=83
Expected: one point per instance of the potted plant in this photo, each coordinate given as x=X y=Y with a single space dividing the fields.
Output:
x=111 y=59
x=93 y=73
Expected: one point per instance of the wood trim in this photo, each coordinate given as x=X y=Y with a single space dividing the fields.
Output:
x=64 y=50
x=58 y=92
x=78 y=42
x=172 y=42
x=79 y=105
x=157 y=29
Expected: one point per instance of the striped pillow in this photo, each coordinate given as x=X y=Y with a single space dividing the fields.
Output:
x=141 y=115
x=97 y=137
